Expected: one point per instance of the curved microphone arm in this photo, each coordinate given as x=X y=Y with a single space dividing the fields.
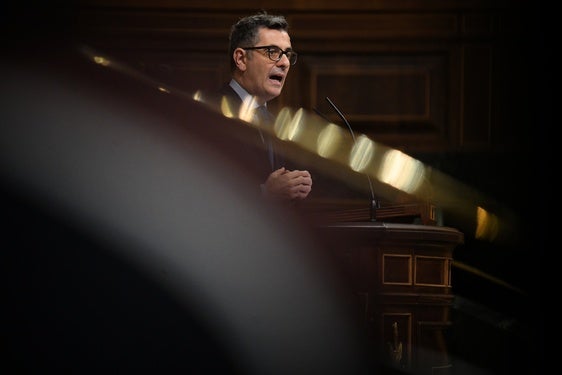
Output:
x=375 y=203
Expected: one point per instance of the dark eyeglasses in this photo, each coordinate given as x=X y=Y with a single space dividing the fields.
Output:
x=275 y=53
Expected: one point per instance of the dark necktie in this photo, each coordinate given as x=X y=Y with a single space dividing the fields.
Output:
x=266 y=122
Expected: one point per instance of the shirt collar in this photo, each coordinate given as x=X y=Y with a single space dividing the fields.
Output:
x=242 y=93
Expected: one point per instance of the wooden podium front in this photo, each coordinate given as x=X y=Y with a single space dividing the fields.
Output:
x=401 y=274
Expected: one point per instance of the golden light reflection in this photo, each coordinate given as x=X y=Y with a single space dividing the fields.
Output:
x=487 y=226
x=197 y=96
x=401 y=171
x=108 y=62
x=287 y=125
x=226 y=109
x=361 y=154
x=330 y=140
x=391 y=171
x=247 y=110
x=101 y=60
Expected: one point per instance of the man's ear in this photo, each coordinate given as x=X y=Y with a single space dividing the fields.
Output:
x=240 y=57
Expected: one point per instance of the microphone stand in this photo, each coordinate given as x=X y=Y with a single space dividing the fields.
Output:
x=375 y=203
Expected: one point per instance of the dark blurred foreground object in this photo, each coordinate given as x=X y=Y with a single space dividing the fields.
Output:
x=131 y=241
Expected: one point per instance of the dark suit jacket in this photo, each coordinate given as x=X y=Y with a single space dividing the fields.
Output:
x=261 y=156
x=324 y=185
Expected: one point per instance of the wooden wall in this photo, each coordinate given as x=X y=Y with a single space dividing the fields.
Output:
x=462 y=84
x=422 y=76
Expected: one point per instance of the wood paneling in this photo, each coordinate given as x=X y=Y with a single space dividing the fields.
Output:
x=418 y=76
x=388 y=98
x=402 y=274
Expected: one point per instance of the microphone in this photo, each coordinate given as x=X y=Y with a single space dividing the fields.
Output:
x=322 y=115
x=374 y=201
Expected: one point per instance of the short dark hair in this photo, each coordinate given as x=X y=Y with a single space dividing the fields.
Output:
x=244 y=33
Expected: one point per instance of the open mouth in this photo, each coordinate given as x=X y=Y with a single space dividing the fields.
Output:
x=276 y=77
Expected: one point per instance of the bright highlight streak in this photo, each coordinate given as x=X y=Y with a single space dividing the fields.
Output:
x=361 y=154
x=293 y=130
x=330 y=140
x=392 y=172
x=487 y=226
x=101 y=60
x=401 y=171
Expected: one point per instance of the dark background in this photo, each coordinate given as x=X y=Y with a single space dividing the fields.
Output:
x=487 y=79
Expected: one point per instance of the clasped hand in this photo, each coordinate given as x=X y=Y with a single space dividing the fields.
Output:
x=284 y=184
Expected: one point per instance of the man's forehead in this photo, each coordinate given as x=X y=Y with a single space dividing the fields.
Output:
x=272 y=36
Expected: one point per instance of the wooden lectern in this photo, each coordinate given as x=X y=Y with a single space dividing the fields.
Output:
x=402 y=276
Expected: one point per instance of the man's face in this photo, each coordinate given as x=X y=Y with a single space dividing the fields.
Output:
x=261 y=76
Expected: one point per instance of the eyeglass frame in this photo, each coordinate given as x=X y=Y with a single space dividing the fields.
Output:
x=268 y=49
